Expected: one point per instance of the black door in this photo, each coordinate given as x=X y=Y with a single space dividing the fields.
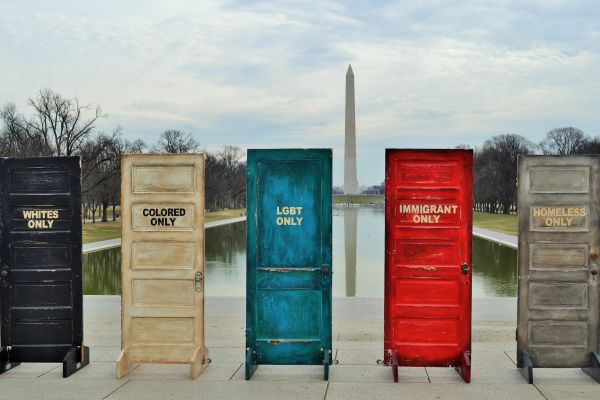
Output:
x=40 y=261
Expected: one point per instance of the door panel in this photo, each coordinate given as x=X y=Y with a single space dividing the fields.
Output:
x=162 y=201
x=428 y=241
x=303 y=309
x=558 y=235
x=289 y=206
x=41 y=252
x=289 y=255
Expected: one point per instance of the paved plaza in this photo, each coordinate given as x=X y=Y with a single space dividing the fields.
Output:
x=358 y=344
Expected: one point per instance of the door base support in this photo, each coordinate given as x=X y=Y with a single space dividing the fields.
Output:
x=5 y=360
x=526 y=368
x=124 y=364
x=198 y=362
x=594 y=369
x=394 y=364
x=464 y=366
x=327 y=359
x=75 y=359
x=251 y=364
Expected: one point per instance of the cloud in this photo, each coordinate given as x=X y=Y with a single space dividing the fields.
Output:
x=265 y=74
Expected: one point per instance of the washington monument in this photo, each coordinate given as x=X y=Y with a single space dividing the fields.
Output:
x=350 y=181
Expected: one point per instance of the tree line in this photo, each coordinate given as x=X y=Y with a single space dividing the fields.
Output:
x=495 y=164
x=62 y=126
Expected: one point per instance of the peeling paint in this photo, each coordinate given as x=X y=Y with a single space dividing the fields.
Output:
x=426 y=268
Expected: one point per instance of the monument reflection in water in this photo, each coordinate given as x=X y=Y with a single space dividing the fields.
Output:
x=350 y=227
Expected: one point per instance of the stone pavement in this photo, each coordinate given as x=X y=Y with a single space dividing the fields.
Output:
x=498 y=237
x=358 y=335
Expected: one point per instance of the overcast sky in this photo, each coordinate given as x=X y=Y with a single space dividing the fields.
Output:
x=272 y=74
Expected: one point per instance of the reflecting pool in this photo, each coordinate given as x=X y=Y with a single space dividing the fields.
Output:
x=358 y=255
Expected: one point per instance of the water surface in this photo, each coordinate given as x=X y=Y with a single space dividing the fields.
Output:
x=358 y=260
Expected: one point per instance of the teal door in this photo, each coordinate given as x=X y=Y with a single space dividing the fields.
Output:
x=288 y=292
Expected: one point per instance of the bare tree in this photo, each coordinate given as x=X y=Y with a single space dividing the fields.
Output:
x=564 y=141
x=97 y=159
x=15 y=139
x=225 y=179
x=102 y=172
x=591 y=146
x=174 y=141
x=495 y=172
x=136 y=147
x=59 y=125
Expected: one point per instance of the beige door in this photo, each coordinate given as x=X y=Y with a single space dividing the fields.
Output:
x=162 y=261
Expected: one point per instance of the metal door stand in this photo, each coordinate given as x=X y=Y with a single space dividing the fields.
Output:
x=594 y=369
x=526 y=367
x=252 y=364
x=394 y=361
x=75 y=359
x=463 y=367
x=327 y=361
x=5 y=360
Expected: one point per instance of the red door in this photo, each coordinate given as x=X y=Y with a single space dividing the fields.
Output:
x=428 y=220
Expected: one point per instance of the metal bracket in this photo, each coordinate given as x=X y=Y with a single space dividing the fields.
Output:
x=464 y=366
x=251 y=364
x=75 y=359
x=394 y=364
x=327 y=359
x=527 y=368
x=594 y=369
x=5 y=360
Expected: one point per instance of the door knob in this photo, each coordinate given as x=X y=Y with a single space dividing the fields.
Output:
x=594 y=270
x=594 y=256
x=4 y=272
x=199 y=281
x=465 y=268
x=325 y=271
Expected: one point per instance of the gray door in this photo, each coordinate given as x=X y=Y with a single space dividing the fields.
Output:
x=558 y=259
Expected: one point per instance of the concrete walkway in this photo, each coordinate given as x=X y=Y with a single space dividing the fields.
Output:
x=358 y=335
x=107 y=244
x=502 y=238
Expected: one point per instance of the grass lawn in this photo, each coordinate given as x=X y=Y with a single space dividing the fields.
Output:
x=112 y=230
x=497 y=222
x=101 y=231
x=217 y=215
x=358 y=198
